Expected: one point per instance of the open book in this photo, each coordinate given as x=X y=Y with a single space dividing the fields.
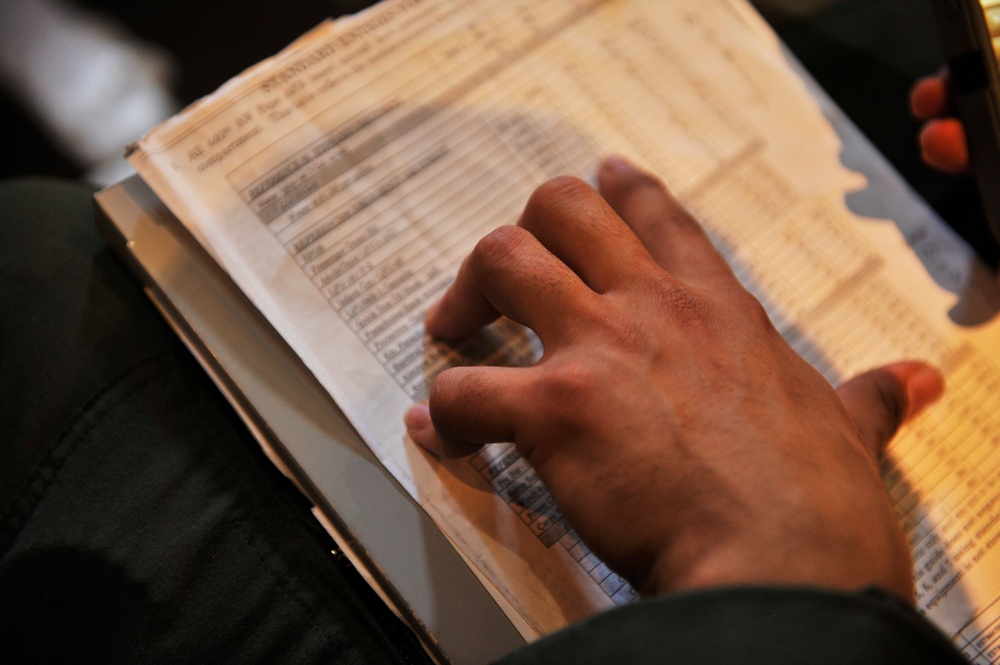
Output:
x=340 y=183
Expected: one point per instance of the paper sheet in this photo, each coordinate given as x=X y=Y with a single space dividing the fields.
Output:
x=341 y=182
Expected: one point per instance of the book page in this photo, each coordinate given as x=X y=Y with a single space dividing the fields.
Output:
x=341 y=183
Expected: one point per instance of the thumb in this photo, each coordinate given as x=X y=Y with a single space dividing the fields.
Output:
x=882 y=399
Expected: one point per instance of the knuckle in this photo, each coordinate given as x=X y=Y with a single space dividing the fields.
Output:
x=710 y=311
x=445 y=391
x=568 y=386
x=511 y=249
x=563 y=186
x=679 y=302
x=751 y=308
x=451 y=391
x=557 y=194
x=625 y=334
x=499 y=246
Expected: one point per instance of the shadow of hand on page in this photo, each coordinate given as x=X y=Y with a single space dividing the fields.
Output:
x=947 y=259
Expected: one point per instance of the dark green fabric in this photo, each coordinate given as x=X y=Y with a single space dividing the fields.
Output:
x=751 y=626
x=138 y=520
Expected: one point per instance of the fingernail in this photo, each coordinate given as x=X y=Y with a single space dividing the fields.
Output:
x=619 y=164
x=420 y=428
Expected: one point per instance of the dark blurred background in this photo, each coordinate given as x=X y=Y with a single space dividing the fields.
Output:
x=865 y=53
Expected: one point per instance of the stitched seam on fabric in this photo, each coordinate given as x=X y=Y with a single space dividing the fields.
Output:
x=292 y=594
x=32 y=491
x=259 y=528
x=253 y=527
x=290 y=591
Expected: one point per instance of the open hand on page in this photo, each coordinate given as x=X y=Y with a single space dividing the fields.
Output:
x=683 y=439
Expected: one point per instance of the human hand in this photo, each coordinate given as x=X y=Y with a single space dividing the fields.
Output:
x=942 y=138
x=682 y=438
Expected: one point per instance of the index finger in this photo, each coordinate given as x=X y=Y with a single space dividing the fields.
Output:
x=510 y=272
x=572 y=246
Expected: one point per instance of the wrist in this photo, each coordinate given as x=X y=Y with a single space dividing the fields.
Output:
x=853 y=560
